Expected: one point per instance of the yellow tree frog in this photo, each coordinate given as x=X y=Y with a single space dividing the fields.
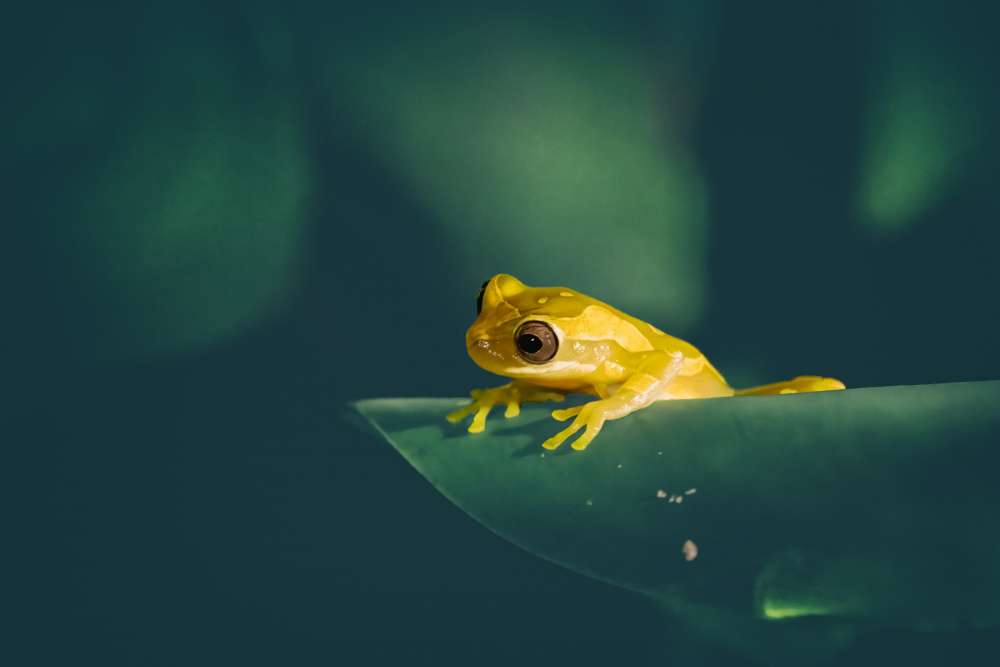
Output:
x=553 y=341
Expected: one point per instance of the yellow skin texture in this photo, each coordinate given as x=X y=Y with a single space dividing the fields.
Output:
x=601 y=351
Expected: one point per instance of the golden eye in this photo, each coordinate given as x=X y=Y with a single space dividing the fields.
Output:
x=536 y=342
x=479 y=297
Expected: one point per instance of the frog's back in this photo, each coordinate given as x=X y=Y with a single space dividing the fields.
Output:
x=651 y=337
x=697 y=378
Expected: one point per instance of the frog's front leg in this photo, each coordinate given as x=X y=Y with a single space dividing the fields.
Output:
x=512 y=394
x=644 y=386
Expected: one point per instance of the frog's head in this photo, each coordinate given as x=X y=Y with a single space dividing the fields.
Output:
x=527 y=332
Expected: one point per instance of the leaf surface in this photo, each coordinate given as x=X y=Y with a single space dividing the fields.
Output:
x=878 y=503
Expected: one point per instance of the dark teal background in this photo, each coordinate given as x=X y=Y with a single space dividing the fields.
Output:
x=221 y=221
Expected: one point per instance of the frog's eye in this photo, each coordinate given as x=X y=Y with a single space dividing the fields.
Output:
x=479 y=297
x=536 y=342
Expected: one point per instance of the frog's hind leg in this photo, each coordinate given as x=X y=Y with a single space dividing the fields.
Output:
x=799 y=385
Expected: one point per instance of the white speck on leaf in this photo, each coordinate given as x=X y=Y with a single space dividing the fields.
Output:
x=686 y=493
x=661 y=494
x=690 y=550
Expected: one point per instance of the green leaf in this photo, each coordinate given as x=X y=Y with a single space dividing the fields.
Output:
x=878 y=503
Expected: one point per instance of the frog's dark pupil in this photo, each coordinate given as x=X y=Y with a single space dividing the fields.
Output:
x=529 y=343
x=479 y=297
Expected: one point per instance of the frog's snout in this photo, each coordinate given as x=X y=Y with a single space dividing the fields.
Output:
x=479 y=346
x=484 y=351
x=475 y=338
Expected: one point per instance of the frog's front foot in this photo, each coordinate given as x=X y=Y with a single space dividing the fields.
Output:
x=590 y=415
x=510 y=395
x=484 y=401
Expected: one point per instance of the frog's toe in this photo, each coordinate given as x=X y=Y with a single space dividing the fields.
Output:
x=513 y=410
x=459 y=415
x=479 y=421
x=593 y=428
x=563 y=415
x=561 y=436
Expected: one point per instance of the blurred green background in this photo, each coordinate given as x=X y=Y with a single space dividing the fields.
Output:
x=222 y=220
